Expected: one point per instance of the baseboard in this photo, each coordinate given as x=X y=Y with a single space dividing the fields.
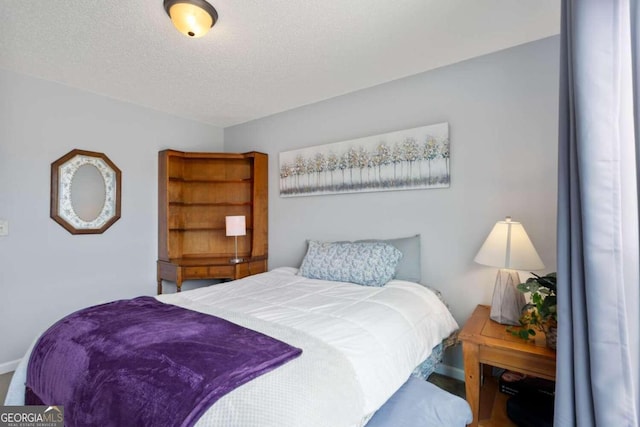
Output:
x=9 y=366
x=450 y=371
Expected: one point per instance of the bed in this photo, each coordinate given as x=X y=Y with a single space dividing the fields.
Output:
x=359 y=344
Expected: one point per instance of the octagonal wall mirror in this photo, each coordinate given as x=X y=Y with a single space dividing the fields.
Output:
x=85 y=192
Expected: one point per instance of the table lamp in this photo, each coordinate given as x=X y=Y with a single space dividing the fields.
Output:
x=509 y=248
x=236 y=226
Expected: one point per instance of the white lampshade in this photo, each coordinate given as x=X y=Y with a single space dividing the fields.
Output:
x=508 y=246
x=235 y=225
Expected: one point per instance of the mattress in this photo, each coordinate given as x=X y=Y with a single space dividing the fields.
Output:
x=360 y=344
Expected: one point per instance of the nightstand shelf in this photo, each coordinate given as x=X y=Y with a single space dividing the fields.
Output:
x=485 y=342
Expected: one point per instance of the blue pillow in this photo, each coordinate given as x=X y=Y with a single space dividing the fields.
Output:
x=409 y=267
x=363 y=263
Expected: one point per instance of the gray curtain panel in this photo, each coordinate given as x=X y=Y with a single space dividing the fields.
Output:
x=598 y=265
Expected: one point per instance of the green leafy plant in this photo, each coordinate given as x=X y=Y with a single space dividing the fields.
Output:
x=541 y=312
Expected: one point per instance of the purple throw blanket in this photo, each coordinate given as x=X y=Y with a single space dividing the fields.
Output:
x=140 y=362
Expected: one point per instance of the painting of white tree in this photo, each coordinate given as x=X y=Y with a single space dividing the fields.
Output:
x=409 y=159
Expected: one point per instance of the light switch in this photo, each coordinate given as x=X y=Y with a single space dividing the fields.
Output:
x=4 y=227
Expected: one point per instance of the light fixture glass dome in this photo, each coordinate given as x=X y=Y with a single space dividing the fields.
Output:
x=193 y=18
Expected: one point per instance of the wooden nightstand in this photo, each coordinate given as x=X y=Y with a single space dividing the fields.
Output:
x=207 y=268
x=487 y=342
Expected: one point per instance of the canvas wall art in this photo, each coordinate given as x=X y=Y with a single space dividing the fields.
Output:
x=409 y=159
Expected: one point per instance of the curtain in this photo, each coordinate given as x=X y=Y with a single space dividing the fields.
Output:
x=598 y=265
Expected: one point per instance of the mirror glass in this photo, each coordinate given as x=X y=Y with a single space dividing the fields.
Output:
x=85 y=192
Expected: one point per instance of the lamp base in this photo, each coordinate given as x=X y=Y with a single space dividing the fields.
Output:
x=507 y=301
x=236 y=260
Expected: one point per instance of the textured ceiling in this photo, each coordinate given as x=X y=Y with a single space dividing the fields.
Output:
x=262 y=57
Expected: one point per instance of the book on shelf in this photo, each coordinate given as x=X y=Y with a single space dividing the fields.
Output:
x=513 y=383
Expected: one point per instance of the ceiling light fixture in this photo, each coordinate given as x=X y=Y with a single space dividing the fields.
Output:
x=192 y=18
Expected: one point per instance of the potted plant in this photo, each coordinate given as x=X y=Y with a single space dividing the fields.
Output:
x=541 y=312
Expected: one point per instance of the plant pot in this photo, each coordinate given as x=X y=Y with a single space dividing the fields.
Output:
x=551 y=334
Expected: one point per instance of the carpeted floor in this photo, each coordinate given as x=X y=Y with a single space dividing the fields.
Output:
x=5 y=379
x=452 y=385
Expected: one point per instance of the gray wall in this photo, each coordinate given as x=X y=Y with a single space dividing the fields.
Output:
x=502 y=113
x=503 y=118
x=45 y=272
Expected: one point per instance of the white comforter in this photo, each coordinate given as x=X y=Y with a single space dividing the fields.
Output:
x=360 y=344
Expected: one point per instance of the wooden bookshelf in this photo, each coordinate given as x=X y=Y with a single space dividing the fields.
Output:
x=196 y=191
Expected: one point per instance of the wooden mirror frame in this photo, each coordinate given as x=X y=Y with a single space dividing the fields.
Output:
x=62 y=172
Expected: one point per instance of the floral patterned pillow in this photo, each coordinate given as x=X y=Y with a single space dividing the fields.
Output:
x=363 y=263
